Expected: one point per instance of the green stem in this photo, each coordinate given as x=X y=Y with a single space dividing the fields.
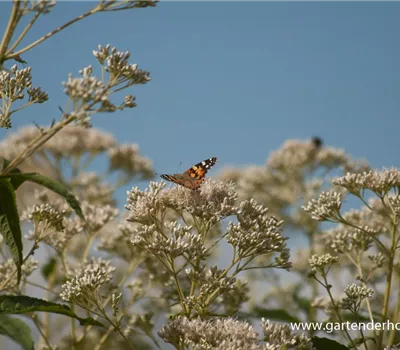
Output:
x=129 y=270
x=336 y=308
x=179 y=289
x=388 y=283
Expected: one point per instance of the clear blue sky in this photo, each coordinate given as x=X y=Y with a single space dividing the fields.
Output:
x=235 y=79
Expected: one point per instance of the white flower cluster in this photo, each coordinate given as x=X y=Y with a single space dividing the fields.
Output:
x=326 y=207
x=231 y=334
x=97 y=216
x=322 y=263
x=347 y=239
x=85 y=89
x=87 y=280
x=13 y=85
x=8 y=269
x=215 y=200
x=146 y=206
x=256 y=233
x=91 y=189
x=380 y=182
x=72 y=140
x=128 y=159
x=179 y=241
x=200 y=334
x=279 y=336
x=355 y=294
x=47 y=219
x=117 y=64
x=213 y=280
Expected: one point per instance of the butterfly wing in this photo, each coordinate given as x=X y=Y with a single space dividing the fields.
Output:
x=172 y=178
x=199 y=170
x=194 y=176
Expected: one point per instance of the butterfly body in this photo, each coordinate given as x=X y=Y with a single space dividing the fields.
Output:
x=194 y=176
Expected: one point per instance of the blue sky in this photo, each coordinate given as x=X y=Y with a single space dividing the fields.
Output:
x=236 y=79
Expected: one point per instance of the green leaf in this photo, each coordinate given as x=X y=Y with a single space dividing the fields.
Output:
x=55 y=186
x=4 y=164
x=274 y=314
x=16 y=330
x=49 y=268
x=21 y=304
x=327 y=344
x=9 y=223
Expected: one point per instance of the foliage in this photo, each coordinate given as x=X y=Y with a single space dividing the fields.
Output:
x=151 y=276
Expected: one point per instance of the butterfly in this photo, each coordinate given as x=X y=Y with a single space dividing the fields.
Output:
x=194 y=176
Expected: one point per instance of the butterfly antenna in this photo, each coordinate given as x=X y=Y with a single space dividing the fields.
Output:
x=179 y=167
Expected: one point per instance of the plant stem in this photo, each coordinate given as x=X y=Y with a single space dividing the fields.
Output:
x=12 y=23
x=388 y=282
x=37 y=142
x=335 y=307
x=395 y=315
x=55 y=31
x=39 y=328
x=129 y=270
x=24 y=32
x=104 y=338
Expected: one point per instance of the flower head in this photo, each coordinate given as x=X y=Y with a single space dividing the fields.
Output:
x=326 y=207
x=355 y=294
x=83 y=288
x=321 y=263
x=257 y=233
x=145 y=206
x=221 y=334
x=46 y=218
x=179 y=241
x=380 y=182
x=279 y=336
x=8 y=273
x=128 y=159
x=215 y=200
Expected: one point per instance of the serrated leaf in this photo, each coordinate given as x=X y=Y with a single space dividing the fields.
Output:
x=274 y=314
x=53 y=185
x=9 y=223
x=327 y=344
x=22 y=304
x=16 y=330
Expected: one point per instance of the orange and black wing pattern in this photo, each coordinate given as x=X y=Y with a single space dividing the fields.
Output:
x=199 y=170
x=194 y=176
